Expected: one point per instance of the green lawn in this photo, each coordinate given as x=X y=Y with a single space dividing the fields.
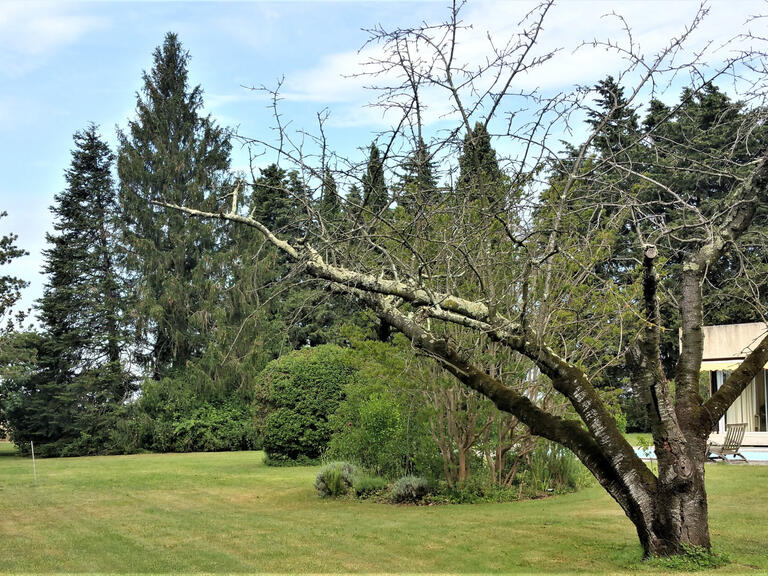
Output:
x=227 y=512
x=639 y=438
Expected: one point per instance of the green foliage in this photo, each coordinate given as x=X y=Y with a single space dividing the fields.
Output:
x=480 y=177
x=611 y=397
x=10 y=286
x=693 y=559
x=335 y=479
x=171 y=417
x=375 y=195
x=301 y=391
x=383 y=423
x=409 y=489
x=552 y=468
x=418 y=184
x=67 y=400
x=172 y=153
x=370 y=431
x=475 y=489
x=368 y=485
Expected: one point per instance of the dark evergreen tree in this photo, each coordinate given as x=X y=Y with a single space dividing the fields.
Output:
x=619 y=120
x=375 y=195
x=68 y=403
x=10 y=293
x=700 y=150
x=10 y=286
x=418 y=183
x=171 y=153
x=480 y=177
x=330 y=203
x=353 y=204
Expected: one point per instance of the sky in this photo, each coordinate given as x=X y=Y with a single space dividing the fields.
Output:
x=66 y=64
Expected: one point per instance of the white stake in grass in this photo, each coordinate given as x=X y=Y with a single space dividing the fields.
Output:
x=34 y=468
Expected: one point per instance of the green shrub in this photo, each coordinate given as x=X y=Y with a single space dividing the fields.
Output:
x=335 y=479
x=383 y=421
x=170 y=418
x=552 y=468
x=477 y=488
x=302 y=390
x=694 y=559
x=411 y=489
x=366 y=485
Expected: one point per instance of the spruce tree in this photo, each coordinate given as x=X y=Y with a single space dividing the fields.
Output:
x=10 y=286
x=619 y=120
x=418 y=183
x=375 y=195
x=172 y=153
x=480 y=177
x=330 y=203
x=77 y=384
x=353 y=204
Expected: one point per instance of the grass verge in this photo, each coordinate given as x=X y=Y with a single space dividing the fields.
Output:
x=228 y=513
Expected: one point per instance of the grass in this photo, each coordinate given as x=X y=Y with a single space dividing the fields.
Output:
x=639 y=438
x=227 y=512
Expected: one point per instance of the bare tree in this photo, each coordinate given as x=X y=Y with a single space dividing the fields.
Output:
x=521 y=265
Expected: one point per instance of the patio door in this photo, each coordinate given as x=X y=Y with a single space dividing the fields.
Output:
x=761 y=406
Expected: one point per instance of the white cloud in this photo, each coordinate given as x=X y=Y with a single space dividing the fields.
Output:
x=338 y=78
x=31 y=31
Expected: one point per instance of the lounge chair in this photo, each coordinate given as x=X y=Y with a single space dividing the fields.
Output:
x=734 y=435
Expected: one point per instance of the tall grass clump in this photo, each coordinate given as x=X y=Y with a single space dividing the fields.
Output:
x=335 y=479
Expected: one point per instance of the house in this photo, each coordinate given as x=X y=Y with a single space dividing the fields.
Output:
x=725 y=347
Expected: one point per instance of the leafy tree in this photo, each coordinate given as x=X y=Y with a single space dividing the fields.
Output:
x=172 y=153
x=300 y=391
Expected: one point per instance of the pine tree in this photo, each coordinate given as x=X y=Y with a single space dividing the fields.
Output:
x=620 y=122
x=480 y=177
x=78 y=381
x=353 y=204
x=330 y=203
x=10 y=286
x=171 y=153
x=10 y=355
x=418 y=182
x=375 y=195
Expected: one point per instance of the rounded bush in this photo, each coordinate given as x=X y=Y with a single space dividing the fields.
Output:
x=302 y=389
x=335 y=479
x=409 y=489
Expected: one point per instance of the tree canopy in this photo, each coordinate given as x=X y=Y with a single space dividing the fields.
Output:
x=611 y=240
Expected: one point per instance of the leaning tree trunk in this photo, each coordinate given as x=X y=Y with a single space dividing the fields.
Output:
x=669 y=512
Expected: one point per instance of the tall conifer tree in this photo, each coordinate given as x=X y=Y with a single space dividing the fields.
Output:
x=375 y=195
x=418 y=184
x=68 y=404
x=171 y=152
x=480 y=177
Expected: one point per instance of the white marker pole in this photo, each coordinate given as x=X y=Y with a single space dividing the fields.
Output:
x=34 y=468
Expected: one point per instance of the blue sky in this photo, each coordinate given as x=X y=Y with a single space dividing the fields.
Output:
x=65 y=64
